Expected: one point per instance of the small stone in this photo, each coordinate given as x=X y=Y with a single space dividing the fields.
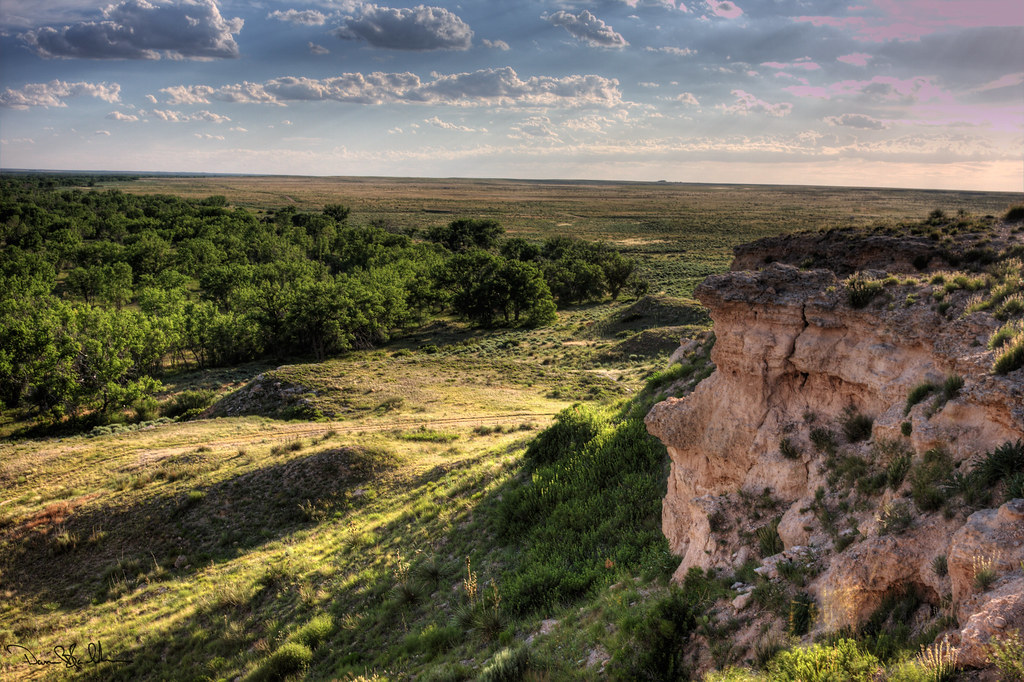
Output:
x=741 y=601
x=180 y=561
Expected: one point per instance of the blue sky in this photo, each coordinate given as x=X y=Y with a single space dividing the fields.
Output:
x=902 y=93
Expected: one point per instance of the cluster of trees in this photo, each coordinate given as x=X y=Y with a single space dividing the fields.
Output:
x=100 y=290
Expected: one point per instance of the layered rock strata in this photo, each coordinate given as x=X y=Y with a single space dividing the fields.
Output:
x=791 y=353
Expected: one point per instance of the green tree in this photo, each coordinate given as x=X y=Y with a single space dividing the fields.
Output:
x=460 y=235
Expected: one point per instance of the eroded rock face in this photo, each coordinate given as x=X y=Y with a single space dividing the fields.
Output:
x=992 y=540
x=791 y=352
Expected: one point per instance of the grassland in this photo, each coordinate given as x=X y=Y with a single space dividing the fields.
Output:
x=346 y=542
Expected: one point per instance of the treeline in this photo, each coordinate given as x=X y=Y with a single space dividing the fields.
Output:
x=99 y=291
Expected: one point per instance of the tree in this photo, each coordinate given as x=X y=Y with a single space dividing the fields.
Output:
x=460 y=235
x=617 y=271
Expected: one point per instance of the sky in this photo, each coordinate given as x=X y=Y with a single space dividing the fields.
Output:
x=877 y=93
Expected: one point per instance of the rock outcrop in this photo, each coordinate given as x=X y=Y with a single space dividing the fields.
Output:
x=795 y=362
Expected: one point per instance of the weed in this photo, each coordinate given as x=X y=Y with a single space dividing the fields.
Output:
x=917 y=394
x=788 y=450
x=894 y=518
x=290 y=658
x=315 y=632
x=860 y=291
x=768 y=538
x=985 y=573
x=842 y=660
x=1015 y=486
x=856 y=426
x=508 y=665
x=1001 y=463
x=940 y=566
x=927 y=477
x=940 y=660
x=823 y=439
x=897 y=470
x=1006 y=653
x=1005 y=334
x=1011 y=357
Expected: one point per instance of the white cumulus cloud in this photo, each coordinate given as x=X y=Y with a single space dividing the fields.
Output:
x=488 y=87
x=54 y=93
x=749 y=104
x=417 y=28
x=308 y=17
x=587 y=28
x=138 y=29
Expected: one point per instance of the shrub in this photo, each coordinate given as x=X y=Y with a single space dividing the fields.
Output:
x=290 y=658
x=768 y=539
x=574 y=427
x=917 y=394
x=926 y=477
x=823 y=439
x=1002 y=463
x=315 y=632
x=1015 y=214
x=1006 y=333
x=906 y=428
x=894 y=518
x=1006 y=651
x=1015 y=486
x=897 y=470
x=856 y=426
x=508 y=665
x=940 y=565
x=861 y=291
x=788 y=450
x=984 y=573
x=654 y=648
x=189 y=403
x=1011 y=358
x=843 y=660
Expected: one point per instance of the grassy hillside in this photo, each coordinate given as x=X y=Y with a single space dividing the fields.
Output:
x=458 y=504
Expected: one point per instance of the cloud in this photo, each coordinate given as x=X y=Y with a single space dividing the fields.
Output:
x=54 y=93
x=119 y=116
x=857 y=59
x=485 y=87
x=880 y=88
x=102 y=133
x=724 y=8
x=749 y=104
x=675 y=51
x=317 y=49
x=534 y=127
x=687 y=98
x=1008 y=81
x=587 y=28
x=207 y=136
x=804 y=63
x=308 y=17
x=418 y=28
x=445 y=125
x=137 y=29
x=910 y=20
x=496 y=44
x=857 y=121
x=179 y=117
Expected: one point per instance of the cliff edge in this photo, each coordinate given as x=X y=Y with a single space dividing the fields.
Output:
x=854 y=428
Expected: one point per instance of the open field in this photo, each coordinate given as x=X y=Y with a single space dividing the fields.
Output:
x=350 y=517
x=680 y=232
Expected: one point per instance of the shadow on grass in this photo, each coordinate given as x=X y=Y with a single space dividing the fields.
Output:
x=74 y=557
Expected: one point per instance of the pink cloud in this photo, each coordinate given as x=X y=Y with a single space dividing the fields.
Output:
x=857 y=59
x=883 y=88
x=802 y=63
x=747 y=104
x=911 y=19
x=724 y=8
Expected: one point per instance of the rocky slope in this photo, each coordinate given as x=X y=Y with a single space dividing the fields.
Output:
x=808 y=411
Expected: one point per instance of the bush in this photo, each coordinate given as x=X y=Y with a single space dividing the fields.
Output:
x=189 y=402
x=856 y=426
x=315 y=632
x=843 y=660
x=1002 y=463
x=1015 y=214
x=788 y=450
x=927 y=477
x=1006 y=652
x=1011 y=358
x=654 y=647
x=823 y=439
x=894 y=518
x=802 y=612
x=917 y=394
x=861 y=291
x=574 y=427
x=290 y=658
x=508 y=665
x=768 y=539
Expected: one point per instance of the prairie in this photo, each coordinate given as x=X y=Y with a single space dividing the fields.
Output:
x=356 y=517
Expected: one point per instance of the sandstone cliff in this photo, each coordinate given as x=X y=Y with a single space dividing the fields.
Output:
x=797 y=365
